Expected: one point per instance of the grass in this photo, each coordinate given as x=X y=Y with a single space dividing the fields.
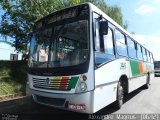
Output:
x=13 y=75
x=8 y=86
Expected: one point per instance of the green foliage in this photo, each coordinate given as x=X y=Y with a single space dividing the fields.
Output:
x=13 y=77
x=15 y=70
x=20 y=15
x=8 y=86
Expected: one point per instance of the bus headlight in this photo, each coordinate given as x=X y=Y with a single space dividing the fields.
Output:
x=83 y=86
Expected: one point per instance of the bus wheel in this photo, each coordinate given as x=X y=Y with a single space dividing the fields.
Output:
x=146 y=86
x=120 y=96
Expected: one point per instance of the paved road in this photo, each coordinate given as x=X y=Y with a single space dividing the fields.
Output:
x=141 y=101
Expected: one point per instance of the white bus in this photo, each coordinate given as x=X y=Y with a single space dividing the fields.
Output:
x=81 y=60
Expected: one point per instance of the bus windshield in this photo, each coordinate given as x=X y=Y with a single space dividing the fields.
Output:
x=63 y=45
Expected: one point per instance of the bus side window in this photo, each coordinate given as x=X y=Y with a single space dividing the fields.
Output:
x=151 y=56
x=131 y=48
x=139 y=52
x=121 y=44
x=97 y=44
x=148 y=56
x=144 y=54
x=108 y=53
x=108 y=42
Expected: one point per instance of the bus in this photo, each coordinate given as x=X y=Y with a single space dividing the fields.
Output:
x=157 y=68
x=81 y=60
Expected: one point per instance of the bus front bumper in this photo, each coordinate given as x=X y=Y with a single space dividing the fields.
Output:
x=81 y=102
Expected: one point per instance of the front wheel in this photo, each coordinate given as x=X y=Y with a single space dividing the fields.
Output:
x=120 y=96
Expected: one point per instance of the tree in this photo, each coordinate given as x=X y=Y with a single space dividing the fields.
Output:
x=20 y=15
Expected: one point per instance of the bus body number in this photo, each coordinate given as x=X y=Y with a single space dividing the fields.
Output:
x=123 y=66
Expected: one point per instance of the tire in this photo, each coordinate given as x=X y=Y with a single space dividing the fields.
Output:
x=146 y=86
x=120 y=96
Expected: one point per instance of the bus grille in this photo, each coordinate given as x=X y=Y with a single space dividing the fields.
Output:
x=57 y=83
x=50 y=101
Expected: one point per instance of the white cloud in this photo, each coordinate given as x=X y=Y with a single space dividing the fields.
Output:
x=157 y=1
x=152 y=43
x=145 y=9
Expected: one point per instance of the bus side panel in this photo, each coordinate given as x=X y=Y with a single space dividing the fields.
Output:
x=103 y=96
x=106 y=81
x=136 y=81
x=151 y=71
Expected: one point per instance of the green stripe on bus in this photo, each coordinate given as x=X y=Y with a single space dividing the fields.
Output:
x=73 y=82
x=134 y=67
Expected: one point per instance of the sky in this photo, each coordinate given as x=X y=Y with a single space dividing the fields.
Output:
x=143 y=18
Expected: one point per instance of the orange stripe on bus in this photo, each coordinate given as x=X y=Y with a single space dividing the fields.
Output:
x=141 y=69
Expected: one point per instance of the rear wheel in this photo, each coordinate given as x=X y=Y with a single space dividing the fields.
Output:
x=146 y=86
x=120 y=96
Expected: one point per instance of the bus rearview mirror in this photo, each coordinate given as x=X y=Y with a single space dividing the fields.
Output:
x=103 y=28
x=103 y=31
